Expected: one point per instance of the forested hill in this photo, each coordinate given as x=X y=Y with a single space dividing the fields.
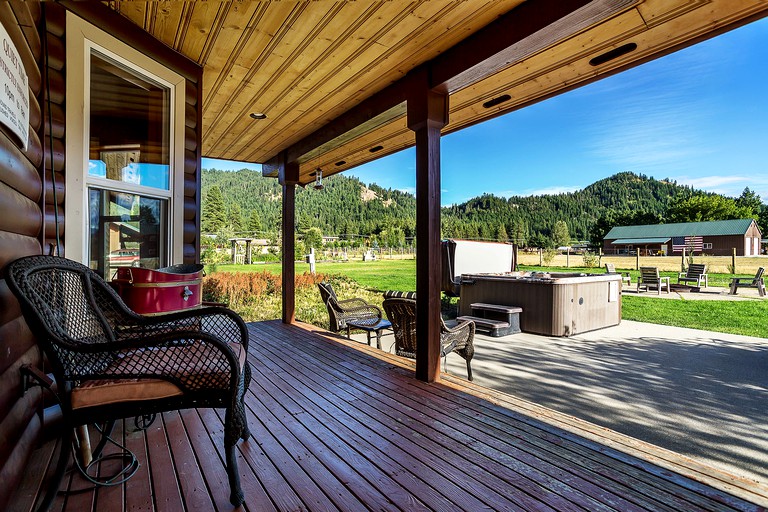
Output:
x=347 y=206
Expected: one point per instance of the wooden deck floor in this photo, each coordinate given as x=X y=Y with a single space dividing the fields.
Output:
x=340 y=426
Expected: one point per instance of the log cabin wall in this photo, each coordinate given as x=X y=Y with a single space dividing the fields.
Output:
x=32 y=200
x=22 y=202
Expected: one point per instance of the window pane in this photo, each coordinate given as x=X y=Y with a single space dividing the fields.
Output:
x=126 y=230
x=130 y=120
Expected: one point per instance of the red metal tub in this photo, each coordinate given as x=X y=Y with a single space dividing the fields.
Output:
x=154 y=292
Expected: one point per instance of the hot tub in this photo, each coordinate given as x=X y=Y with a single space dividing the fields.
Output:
x=554 y=304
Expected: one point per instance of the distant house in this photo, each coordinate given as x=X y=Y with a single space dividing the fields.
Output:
x=717 y=238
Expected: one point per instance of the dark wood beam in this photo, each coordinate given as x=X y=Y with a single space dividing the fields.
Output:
x=427 y=114
x=524 y=30
x=288 y=174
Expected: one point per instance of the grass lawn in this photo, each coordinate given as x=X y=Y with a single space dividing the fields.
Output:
x=748 y=317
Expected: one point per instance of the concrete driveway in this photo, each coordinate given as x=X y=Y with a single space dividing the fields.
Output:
x=699 y=393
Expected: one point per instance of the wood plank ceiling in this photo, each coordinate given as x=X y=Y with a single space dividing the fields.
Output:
x=305 y=63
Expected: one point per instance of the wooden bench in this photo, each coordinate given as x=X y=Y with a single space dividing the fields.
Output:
x=749 y=282
x=496 y=319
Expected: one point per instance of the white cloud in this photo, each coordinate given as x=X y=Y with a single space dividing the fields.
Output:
x=731 y=186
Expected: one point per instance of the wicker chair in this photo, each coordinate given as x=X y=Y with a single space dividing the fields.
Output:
x=111 y=363
x=402 y=313
x=340 y=311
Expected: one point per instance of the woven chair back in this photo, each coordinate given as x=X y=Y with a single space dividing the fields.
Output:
x=402 y=314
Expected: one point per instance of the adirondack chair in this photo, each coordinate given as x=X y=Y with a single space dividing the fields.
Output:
x=749 y=282
x=649 y=278
x=610 y=268
x=696 y=273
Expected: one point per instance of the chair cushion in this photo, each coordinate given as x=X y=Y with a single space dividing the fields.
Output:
x=110 y=391
x=393 y=294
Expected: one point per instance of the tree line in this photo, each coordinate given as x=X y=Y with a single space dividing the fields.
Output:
x=243 y=203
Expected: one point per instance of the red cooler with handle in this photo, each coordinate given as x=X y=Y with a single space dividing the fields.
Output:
x=165 y=290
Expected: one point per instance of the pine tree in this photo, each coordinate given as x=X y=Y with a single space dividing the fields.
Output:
x=213 y=217
x=235 y=218
x=254 y=223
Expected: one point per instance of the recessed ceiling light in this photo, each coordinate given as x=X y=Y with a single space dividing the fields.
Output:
x=258 y=115
x=375 y=149
x=613 y=54
x=340 y=163
x=497 y=101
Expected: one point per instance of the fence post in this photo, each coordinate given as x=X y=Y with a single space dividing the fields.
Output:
x=637 y=259
x=567 y=257
x=541 y=257
x=733 y=260
x=682 y=261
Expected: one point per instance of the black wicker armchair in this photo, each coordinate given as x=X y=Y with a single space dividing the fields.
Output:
x=402 y=313
x=341 y=311
x=111 y=363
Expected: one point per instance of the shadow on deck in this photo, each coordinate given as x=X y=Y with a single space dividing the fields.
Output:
x=341 y=426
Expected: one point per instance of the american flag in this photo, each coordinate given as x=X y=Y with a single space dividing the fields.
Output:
x=689 y=243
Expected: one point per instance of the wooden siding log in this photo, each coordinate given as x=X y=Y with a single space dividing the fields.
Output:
x=56 y=52
x=56 y=18
x=20 y=42
x=58 y=86
x=50 y=221
x=13 y=424
x=28 y=15
x=59 y=153
x=190 y=162
x=12 y=471
x=190 y=118
x=13 y=246
x=190 y=92
x=11 y=380
x=190 y=211
x=190 y=186
x=11 y=309
x=190 y=254
x=17 y=170
x=17 y=330
x=34 y=152
x=190 y=232
x=35 y=113
x=18 y=214
x=60 y=187
x=190 y=139
x=58 y=118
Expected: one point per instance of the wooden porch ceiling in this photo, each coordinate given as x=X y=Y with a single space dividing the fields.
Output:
x=330 y=76
x=338 y=425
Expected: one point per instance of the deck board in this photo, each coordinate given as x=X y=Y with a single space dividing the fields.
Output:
x=338 y=425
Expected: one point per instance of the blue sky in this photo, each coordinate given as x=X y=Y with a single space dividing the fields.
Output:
x=698 y=116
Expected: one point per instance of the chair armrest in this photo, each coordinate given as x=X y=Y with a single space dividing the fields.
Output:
x=460 y=337
x=351 y=303
x=218 y=322
x=365 y=312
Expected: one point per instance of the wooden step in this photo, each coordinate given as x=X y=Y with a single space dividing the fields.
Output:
x=496 y=307
x=486 y=322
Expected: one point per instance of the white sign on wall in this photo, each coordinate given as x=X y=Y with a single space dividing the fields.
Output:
x=14 y=89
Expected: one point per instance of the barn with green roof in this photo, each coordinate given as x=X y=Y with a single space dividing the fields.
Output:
x=716 y=238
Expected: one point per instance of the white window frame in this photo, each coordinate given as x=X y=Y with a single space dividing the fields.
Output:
x=82 y=38
x=706 y=245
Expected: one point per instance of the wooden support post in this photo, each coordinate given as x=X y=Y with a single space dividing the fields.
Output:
x=248 y=251
x=427 y=114
x=288 y=176
x=733 y=260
